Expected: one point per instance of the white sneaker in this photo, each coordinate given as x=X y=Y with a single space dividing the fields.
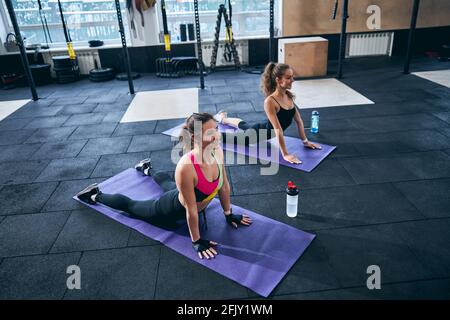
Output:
x=144 y=166
x=220 y=115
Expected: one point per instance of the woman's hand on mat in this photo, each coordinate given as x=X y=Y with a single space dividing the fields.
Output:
x=311 y=145
x=204 y=248
x=292 y=158
x=238 y=219
x=246 y=221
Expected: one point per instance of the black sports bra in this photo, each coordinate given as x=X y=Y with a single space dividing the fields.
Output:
x=284 y=116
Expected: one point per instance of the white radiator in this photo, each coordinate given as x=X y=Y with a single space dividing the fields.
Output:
x=241 y=47
x=86 y=60
x=369 y=44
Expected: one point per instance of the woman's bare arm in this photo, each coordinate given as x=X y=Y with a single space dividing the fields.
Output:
x=225 y=191
x=301 y=132
x=301 y=128
x=184 y=178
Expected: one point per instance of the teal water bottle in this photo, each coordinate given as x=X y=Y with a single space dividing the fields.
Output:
x=315 y=121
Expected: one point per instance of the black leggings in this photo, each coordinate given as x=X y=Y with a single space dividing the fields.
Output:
x=247 y=136
x=163 y=212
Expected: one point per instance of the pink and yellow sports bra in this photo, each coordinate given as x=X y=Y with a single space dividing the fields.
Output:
x=205 y=191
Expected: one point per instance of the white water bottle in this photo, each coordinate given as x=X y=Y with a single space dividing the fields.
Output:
x=291 y=200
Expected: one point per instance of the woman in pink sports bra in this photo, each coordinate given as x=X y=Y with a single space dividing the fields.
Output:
x=199 y=176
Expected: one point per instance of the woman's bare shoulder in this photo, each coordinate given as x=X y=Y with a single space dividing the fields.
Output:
x=270 y=104
x=184 y=164
x=269 y=100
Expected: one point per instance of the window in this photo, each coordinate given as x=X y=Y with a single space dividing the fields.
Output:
x=85 y=19
x=250 y=18
x=97 y=19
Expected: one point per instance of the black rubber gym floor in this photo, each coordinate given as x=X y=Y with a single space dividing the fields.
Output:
x=382 y=198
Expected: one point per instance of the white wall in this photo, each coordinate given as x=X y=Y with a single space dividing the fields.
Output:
x=3 y=31
x=278 y=22
x=147 y=35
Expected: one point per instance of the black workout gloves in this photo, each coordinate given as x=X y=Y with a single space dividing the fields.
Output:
x=237 y=218
x=201 y=245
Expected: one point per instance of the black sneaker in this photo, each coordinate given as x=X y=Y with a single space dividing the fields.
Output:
x=144 y=166
x=86 y=194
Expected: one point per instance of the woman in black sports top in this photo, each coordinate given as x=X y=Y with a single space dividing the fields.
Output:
x=279 y=107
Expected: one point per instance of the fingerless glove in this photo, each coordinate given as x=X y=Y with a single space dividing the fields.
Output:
x=201 y=245
x=237 y=218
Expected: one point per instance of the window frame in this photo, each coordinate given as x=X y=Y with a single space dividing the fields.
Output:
x=212 y=14
x=59 y=45
x=117 y=42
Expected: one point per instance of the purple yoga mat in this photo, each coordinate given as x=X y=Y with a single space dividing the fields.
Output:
x=310 y=158
x=257 y=257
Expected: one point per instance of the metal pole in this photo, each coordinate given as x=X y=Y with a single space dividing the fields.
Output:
x=66 y=34
x=199 y=45
x=166 y=31
x=23 y=53
x=343 y=40
x=126 y=57
x=70 y=49
x=271 y=32
x=412 y=28
x=44 y=24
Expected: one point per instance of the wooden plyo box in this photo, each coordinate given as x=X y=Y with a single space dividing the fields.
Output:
x=308 y=56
